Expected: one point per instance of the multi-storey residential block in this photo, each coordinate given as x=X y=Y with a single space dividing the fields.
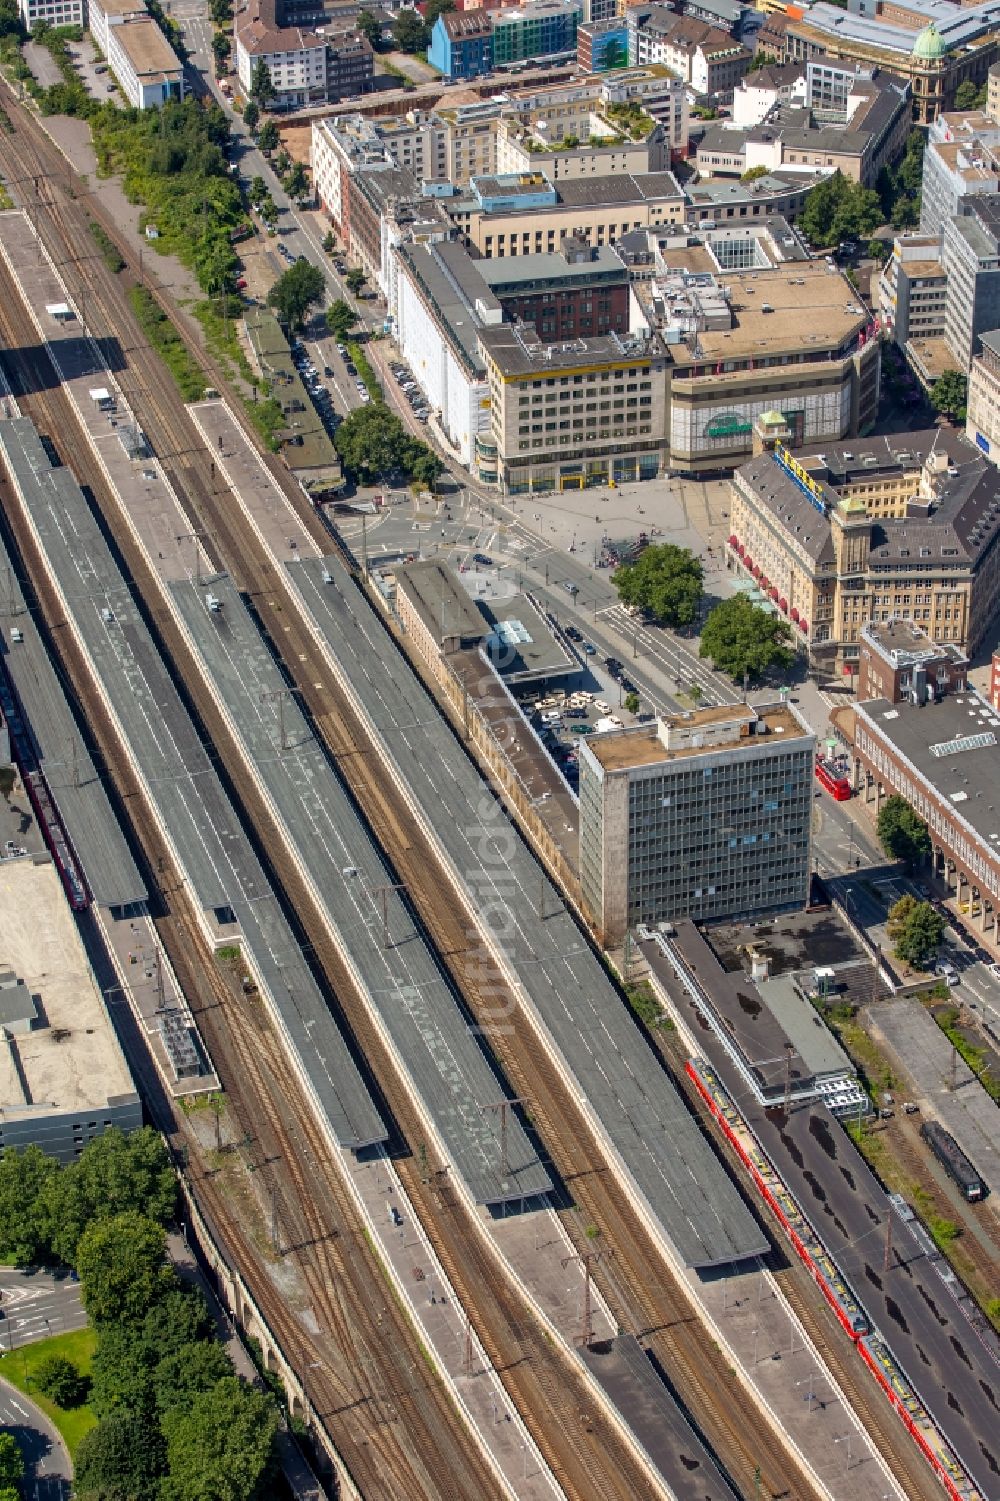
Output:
x=759 y=92
x=704 y=815
x=566 y=416
x=52 y=13
x=609 y=149
x=601 y=45
x=579 y=291
x=913 y=287
x=970 y=257
x=708 y=59
x=538 y=28
x=906 y=526
x=306 y=66
x=961 y=162
x=461 y=43
x=982 y=424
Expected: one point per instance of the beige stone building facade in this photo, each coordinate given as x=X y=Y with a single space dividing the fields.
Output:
x=906 y=526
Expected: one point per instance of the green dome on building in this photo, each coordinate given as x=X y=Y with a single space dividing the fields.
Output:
x=929 y=45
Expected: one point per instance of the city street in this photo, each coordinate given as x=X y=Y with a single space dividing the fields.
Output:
x=48 y=1467
x=35 y=1304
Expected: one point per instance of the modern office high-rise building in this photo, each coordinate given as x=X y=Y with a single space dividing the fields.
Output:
x=704 y=815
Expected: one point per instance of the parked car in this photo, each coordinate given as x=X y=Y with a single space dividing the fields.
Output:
x=590 y=648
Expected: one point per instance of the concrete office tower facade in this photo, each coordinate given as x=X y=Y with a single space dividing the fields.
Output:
x=703 y=815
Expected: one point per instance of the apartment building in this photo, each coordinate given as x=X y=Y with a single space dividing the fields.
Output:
x=759 y=92
x=571 y=415
x=961 y=163
x=703 y=815
x=579 y=291
x=970 y=258
x=461 y=43
x=913 y=287
x=705 y=57
x=307 y=66
x=982 y=425
x=935 y=50
x=538 y=28
x=899 y=660
x=601 y=45
x=606 y=150
x=901 y=527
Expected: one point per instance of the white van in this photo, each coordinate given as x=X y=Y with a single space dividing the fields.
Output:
x=602 y=706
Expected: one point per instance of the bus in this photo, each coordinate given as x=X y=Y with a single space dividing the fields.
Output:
x=830 y=776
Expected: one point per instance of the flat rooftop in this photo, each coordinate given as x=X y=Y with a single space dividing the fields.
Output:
x=147 y=49
x=955 y=746
x=72 y=1063
x=521 y=644
x=518 y=351
x=812 y=306
x=439 y=598
x=618 y=750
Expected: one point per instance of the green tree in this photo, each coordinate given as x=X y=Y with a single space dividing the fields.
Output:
x=296 y=184
x=122 y=1269
x=752 y=173
x=901 y=832
x=666 y=580
x=268 y=138
x=435 y=8
x=745 y=641
x=188 y=1372
x=632 y=702
x=180 y=1318
x=329 y=242
x=340 y=319
x=425 y=467
x=58 y=1379
x=257 y=191
x=122 y=1459
x=837 y=209
x=24 y=1221
x=967 y=95
x=372 y=441
x=261 y=85
x=251 y=115
x=221 y=48
x=294 y=293
x=916 y=929
x=119 y=1172
x=355 y=280
x=221 y=11
x=11 y=1460
x=950 y=393
x=370 y=27
x=878 y=249
x=409 y=32
x=121 y=1377
x=220 y=1446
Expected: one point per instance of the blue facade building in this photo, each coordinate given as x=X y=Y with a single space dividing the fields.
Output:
x=462 y=44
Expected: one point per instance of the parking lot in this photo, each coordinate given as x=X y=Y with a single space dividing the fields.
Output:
x=563 y=718
x=313 y=380
x=403 y=377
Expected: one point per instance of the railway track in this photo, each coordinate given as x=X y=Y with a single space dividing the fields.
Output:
x=367 y=1352
x=589 y=1460
x=646 y=1296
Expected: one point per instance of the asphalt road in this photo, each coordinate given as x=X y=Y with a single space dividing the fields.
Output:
x=48 y=1468
x=35 y=1304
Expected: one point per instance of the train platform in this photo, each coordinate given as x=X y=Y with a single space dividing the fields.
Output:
x=414 y=1005
x=911 y=1302
x=634 y=1104
x=232 y=891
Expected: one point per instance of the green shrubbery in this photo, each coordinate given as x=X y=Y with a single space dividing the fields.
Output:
x=168 y=343
x=173 y=161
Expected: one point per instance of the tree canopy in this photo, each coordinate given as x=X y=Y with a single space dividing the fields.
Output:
x=296 y=184
x=261 y=84
x=58 y=1379
x=11 y=1460
x=374 y=444
x=251 y=115
x=355 y=279
x=121 y=1262
x=220 y=1444
x=666 y=580
x=24 y=1225
x=370 y=27
x=968 y=96
x=409 y=31
x=268 y=137
x=340 y=319
x=744 y=640
x=899 y=186
x=949 y=394
x=121 y=1459
x=837 y=209
x=901 y=832
x=916 y=930
x=294 y=293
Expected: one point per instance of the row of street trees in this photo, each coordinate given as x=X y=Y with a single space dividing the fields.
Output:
x=666 y=582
